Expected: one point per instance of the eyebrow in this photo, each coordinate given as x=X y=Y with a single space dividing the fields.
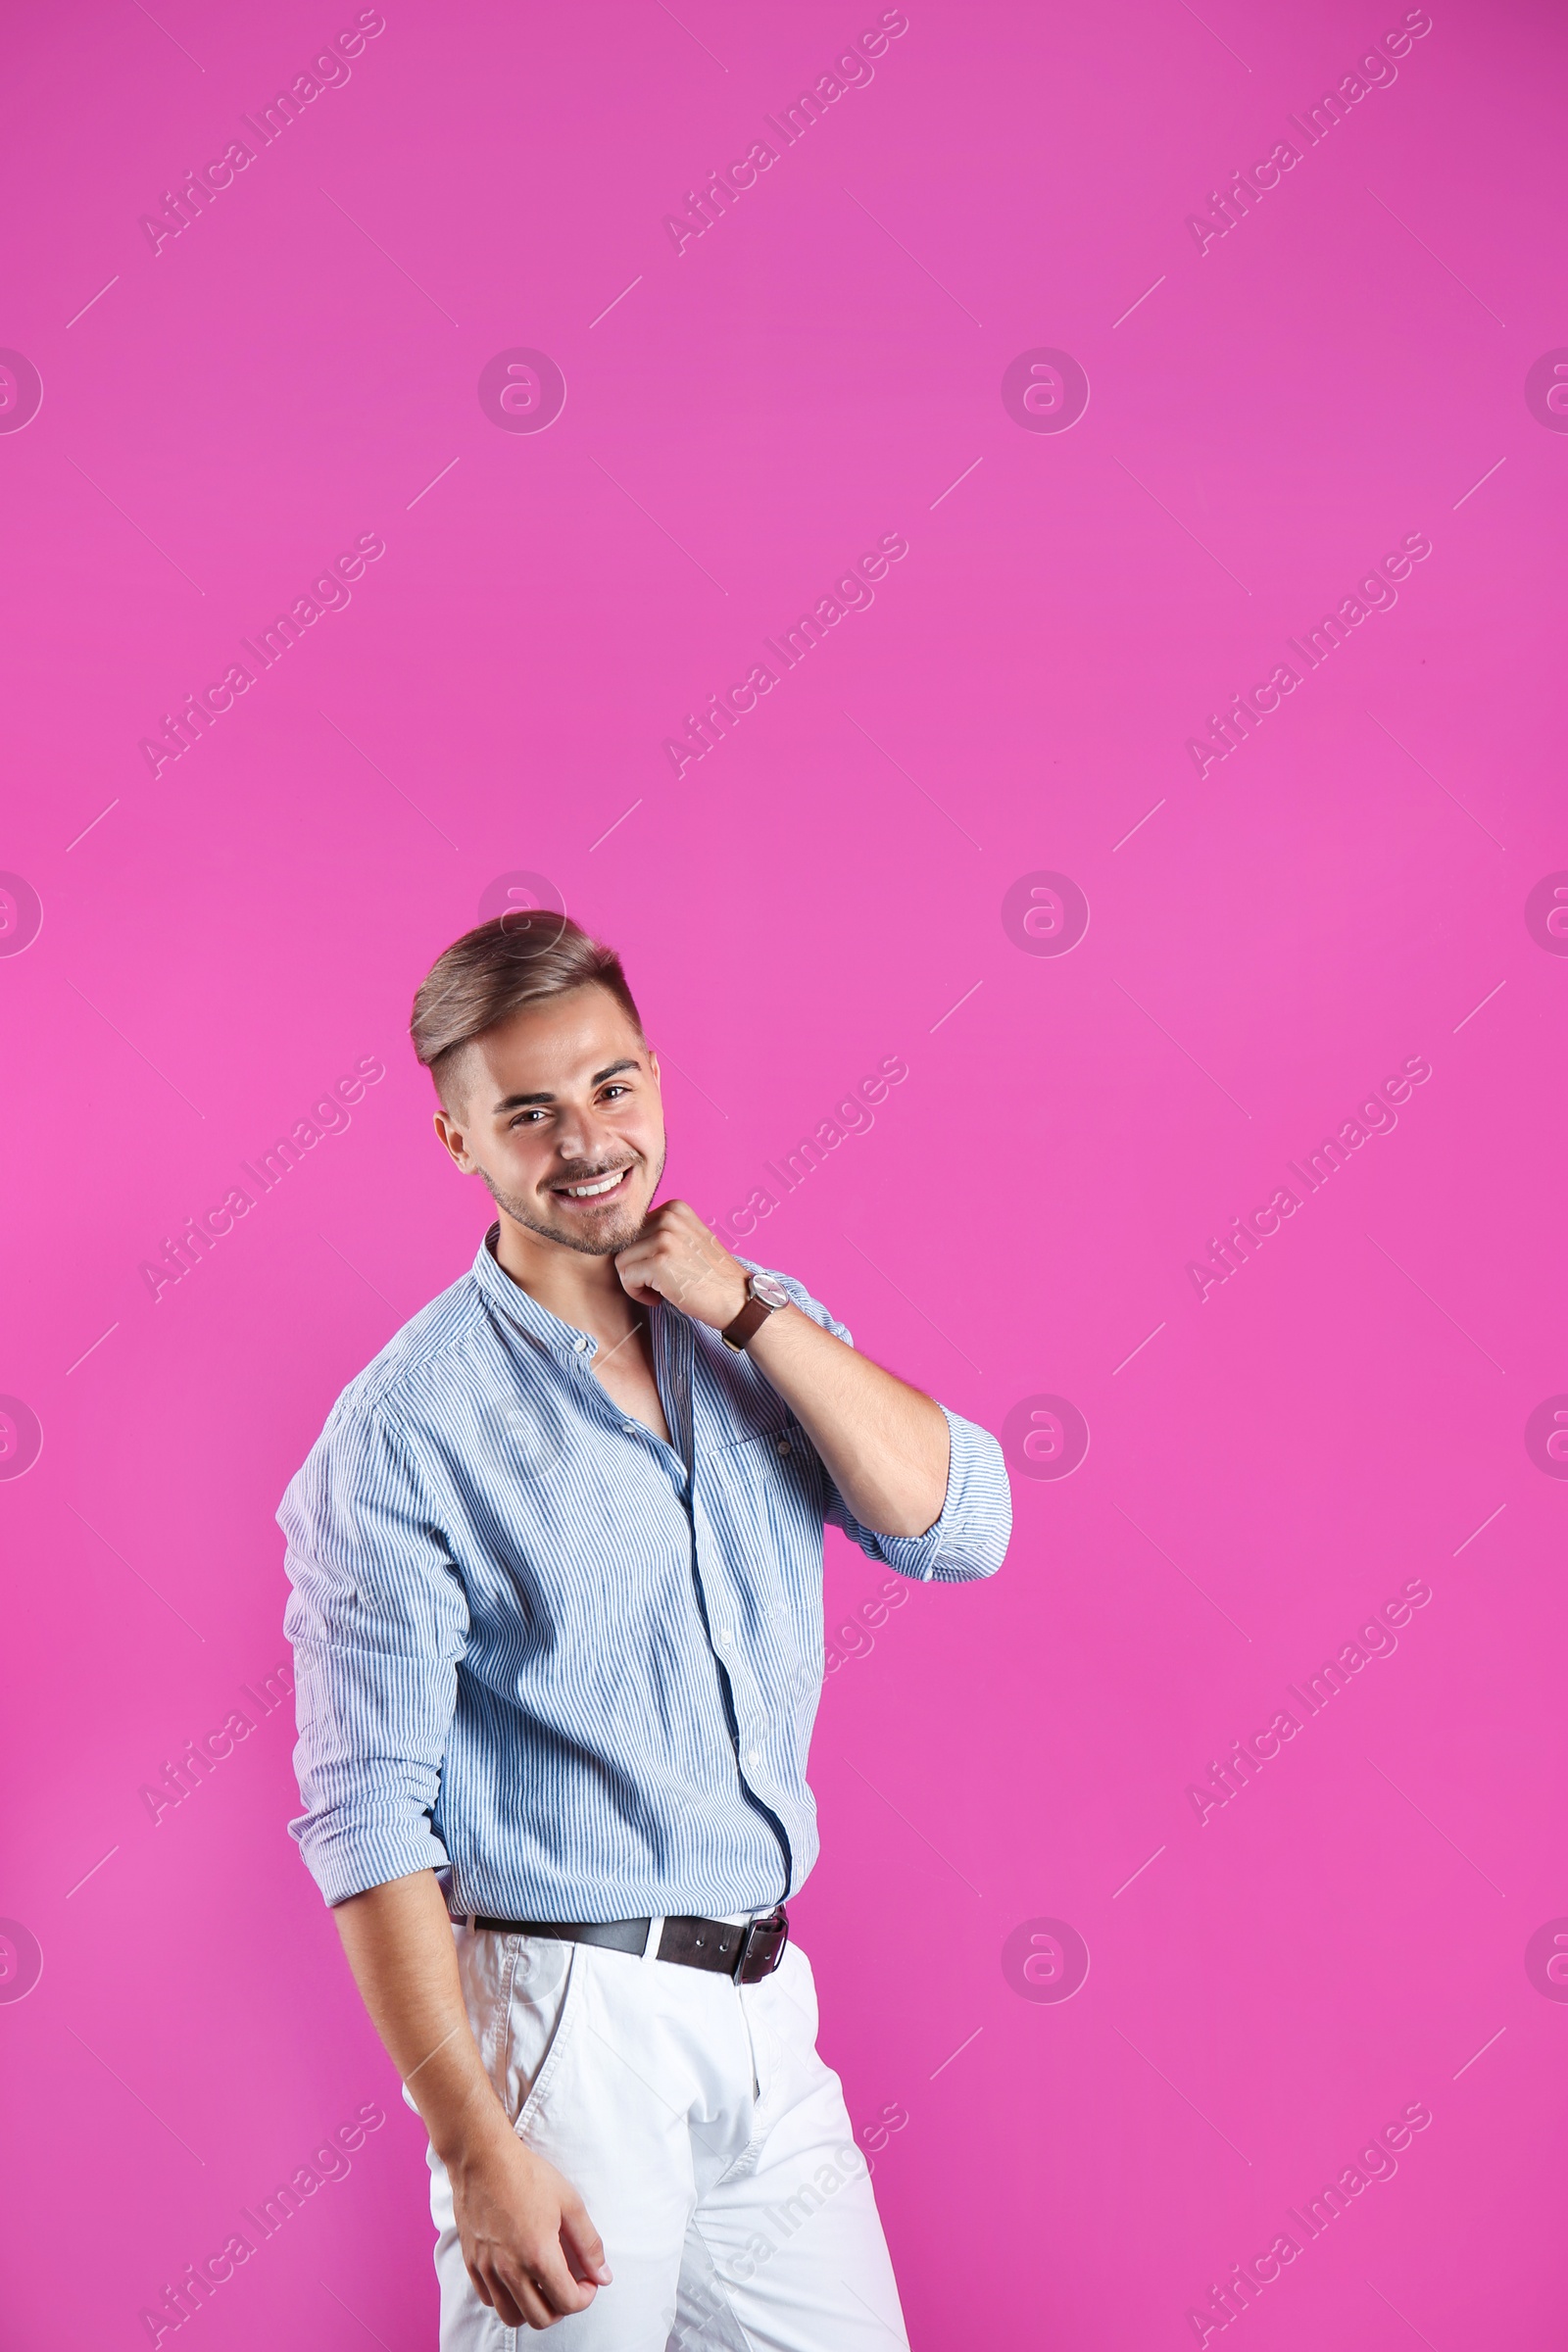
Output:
x=523 y=1101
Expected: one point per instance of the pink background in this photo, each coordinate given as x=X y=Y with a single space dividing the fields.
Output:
x=1268 y=418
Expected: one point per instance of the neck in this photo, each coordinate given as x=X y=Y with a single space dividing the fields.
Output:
x=584 y=1292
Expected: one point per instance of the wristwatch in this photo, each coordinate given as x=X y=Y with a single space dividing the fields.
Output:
x=764 y=1296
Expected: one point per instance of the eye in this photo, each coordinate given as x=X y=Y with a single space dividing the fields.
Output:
x=617 y=1089
x=523 y=1117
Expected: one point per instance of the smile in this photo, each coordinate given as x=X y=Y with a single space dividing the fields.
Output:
x=594 y=1188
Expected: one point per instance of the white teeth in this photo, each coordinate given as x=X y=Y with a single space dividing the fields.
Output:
x=586 y=1192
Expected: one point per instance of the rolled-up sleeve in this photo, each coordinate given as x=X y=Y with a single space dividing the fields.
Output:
x=970 y=1537
x=378 y=1621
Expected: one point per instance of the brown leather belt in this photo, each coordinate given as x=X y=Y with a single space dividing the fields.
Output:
x=746 y=1954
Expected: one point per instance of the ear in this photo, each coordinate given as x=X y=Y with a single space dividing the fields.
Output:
x=652 y=1064
x=451 y=1138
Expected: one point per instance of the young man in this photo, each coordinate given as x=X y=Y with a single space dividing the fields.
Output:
x=556 y=1617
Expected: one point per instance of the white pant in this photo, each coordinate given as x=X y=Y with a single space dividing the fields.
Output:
x=707 y=2139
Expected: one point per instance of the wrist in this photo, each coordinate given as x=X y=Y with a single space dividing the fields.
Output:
x=469 y=2129
x=734 y=1298
x=763 y=1299
x=474 y=2141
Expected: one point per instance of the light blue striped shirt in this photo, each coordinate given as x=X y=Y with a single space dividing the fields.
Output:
x=570 y=1668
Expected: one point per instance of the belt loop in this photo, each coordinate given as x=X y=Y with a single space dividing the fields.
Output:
x=656 y=1929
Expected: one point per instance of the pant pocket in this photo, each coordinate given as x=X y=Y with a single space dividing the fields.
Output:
x=546 y=1980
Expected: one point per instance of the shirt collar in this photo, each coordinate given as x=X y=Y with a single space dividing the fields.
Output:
x=672 y=1348
x=560 y=1339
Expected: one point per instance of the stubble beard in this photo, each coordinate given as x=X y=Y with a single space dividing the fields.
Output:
x=619 y=1233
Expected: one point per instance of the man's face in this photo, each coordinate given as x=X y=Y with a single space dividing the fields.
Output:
x=559 y=1111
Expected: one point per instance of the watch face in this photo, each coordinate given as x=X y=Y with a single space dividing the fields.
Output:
x=769 y=1289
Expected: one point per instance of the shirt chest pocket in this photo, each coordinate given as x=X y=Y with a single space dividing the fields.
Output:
x=777 y=1468
x=770 y=1487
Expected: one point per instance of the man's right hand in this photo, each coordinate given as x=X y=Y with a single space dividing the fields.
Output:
x=531 y=2250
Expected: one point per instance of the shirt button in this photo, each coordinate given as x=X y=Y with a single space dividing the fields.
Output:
x=629 y=1428
x=783 y=1445
x=725 y=1637
x=582 y=1347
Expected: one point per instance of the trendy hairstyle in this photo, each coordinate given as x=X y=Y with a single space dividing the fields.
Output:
x=492 y=971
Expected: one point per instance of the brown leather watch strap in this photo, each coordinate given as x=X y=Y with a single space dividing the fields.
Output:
x=746 y=1324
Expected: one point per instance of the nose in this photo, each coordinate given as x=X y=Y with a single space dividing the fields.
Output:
x=581 y=1139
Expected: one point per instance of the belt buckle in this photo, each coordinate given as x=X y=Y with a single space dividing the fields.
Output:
x=776 y=1919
